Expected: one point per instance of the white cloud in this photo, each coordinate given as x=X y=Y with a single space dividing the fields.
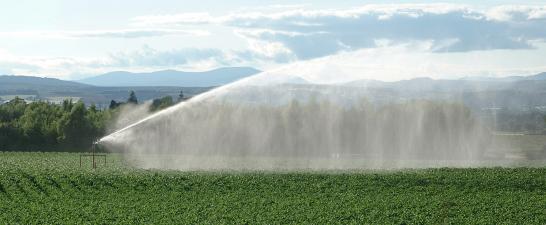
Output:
x=411 y=60
x=387 y=62
x=185 y=18
x=517 y=13
x=149 y=57
x=144 y=59
x=288 y=33
x=315 y=33
x=379 y=10
x=122 y=33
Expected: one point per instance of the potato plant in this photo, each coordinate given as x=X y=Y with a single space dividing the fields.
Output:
x=51 y=188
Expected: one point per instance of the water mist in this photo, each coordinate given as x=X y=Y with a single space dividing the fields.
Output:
x=301 y=117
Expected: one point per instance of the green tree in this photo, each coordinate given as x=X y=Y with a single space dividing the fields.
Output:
x=10 y=134
x=74 y=128
x=10 y=137
x=161 y=103
x=181 y=96
x=12 y=110
x=46 y=126
x=132 y=98
x=67 y=105
x=38 y=124
x=98 y=120
x=114 y=104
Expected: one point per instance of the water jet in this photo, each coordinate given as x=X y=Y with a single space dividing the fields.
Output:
x=300 y=117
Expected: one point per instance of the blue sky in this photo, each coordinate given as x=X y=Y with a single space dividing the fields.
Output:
x=75 y=39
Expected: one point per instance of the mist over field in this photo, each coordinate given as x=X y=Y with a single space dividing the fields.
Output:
x=302 y=117
x=273 y=112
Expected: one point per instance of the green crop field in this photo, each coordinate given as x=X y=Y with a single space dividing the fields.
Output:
x=51 y=188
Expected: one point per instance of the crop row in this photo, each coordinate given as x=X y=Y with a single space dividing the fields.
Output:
x=52 y=188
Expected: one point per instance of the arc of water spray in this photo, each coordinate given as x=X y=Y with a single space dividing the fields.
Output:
x=197 y=98
x=211 y=93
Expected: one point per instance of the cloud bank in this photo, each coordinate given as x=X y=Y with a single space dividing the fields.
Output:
x=121 y=33
x=143 y=59
x=511 y=37
x=315 y=33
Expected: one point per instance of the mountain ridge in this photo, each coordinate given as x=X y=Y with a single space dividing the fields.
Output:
x=516 y=91
x=216 y=77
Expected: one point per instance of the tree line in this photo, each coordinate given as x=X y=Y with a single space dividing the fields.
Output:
x=530 y=121
x=70 y=126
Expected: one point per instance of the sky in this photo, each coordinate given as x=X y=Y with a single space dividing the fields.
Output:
x=72 y=39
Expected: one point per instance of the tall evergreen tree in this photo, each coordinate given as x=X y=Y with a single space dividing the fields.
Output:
x=67 y=105
x=132 y=98
x=113 y=104
x=181 y=96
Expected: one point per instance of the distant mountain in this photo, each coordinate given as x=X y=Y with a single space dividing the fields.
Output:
x=477 y=93
x=278 y=80
x=510 y=92
x=12 y=82
x=210 y=78
x=55 y=90
x=469 y=84
x=540 y=76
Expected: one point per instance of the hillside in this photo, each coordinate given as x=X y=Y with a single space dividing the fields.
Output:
x=172 y=78
x=509 y=92
x=55 y=90
x=12 y=82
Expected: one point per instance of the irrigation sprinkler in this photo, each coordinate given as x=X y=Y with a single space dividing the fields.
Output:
x=93 y=155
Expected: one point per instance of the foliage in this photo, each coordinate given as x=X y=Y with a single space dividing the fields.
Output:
x=532 y=121
x=44 y=126
x=50 y=188
x=132 y=98
x=181 y=96
x=161 y=103
x=74 y=128
x=114 y=104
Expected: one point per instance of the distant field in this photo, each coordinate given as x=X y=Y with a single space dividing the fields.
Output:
x=6 y=98
x=514 y=145
x=50 y=188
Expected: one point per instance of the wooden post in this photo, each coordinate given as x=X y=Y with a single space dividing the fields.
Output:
x=93 y=156
x=94 y=164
